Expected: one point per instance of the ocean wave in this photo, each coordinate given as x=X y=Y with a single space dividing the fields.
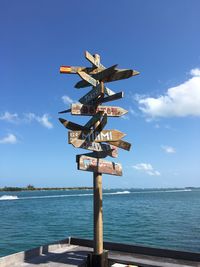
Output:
x=163 y=191
x=8 y=197
x=118 y=193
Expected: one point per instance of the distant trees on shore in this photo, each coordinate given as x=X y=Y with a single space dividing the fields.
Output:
x=32 y=188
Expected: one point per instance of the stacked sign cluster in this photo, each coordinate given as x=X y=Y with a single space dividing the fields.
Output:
x=92 y=136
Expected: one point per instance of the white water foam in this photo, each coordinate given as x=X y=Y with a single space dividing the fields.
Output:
x=8 y=197
x=118 y=193
x=163 y=191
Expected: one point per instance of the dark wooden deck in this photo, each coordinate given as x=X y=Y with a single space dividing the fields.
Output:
x=73 y=252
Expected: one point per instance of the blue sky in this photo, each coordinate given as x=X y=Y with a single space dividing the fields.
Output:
x=161 y=39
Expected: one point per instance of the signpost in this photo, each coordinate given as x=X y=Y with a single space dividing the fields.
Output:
x=102 y=136
x=88 y=110
x=92 y=136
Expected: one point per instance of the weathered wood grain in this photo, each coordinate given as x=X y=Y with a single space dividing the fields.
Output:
x=104 y=74
x=92 y=95
x=87 y=80
x=113 y=97
x=94 y=61
x=109 y=91
x=102 y=124
x=101 y=154
x=89 y=110
x=121 y=74
x=97 y=136
x=94 y=119
x=65 y=111
x=99 y=166
x=121 y=144
x=91 y=80
x=72 y=126
x=93 y=146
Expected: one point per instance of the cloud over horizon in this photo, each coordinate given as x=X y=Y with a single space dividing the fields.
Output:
x=146 y=168
x=9 y=117
x=179 y=101
x=44 y=119
x=169 y=149
x=67 y=100
x=8 y=139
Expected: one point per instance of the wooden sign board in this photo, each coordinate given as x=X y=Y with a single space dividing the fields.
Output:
x=121 y=144
x=121 y=74
x=101 y=154
x=93 y=60
x=71 y=69
x=89 y=110
x=112 y=97
x=102 y=124
x=93 y=146
x=108 y=91
x=87 y=79
x=99 y=166
x=93 y=94
x=94 y=120
x=72 y=126
x=92 y=80
x=103 y=136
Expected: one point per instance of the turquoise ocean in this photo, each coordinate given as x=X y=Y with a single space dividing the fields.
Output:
x=167 y=218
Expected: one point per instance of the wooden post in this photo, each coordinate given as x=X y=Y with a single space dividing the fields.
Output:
x=98 y=213
x=98 y=203
x=86 y=138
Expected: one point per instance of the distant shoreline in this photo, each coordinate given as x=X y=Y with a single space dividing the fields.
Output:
x=31 y=188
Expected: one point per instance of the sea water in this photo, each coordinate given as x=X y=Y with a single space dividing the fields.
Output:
x=160 y=218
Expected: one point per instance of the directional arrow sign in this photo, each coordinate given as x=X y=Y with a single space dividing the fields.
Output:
x=101 y=154
x=71 y=69
x=87 y=79
x=98 y=165
x=94 y=119
x=89 y=110
x=108 y=98
x=100 y=76
x=121 y=74
x=118 y=75
x=102 y=124
x=94 y=61
x=120 y=143
x=108 y=91
x=78 y=143
x=71 y=125
x=103 y=136
x=91 y=95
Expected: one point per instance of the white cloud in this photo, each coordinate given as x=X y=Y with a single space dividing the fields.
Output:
x=147 y=168
x=44 y=120
x=125 y=117
x=10 y=117
x=179 y=101
x=67 y=100
x=8 y=139
x=132 y=111
x=169 y=149
x=195 y=72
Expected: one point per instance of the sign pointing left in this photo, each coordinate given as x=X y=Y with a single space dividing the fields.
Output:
x=72 y=126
